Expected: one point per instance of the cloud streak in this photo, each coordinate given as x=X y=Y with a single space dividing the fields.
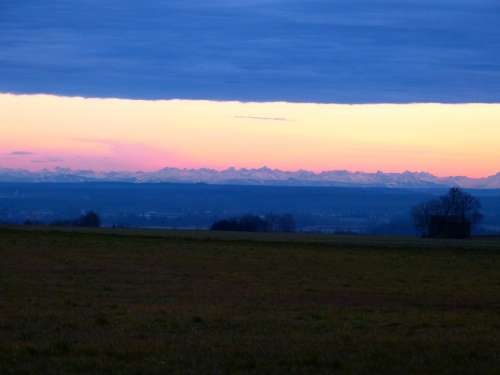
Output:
x=21 y=153
x=262 y=118
x=47 y=161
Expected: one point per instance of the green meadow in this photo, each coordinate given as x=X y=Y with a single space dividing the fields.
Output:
x=156 y=302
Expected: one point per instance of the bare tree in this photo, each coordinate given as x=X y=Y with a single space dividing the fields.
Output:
x=453 y=214
x=422 y=214
x=462 y=205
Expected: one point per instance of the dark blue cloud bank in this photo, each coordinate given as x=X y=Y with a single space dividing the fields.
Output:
x=345 y=51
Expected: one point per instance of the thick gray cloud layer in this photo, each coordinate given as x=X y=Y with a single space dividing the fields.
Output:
x=353 y=51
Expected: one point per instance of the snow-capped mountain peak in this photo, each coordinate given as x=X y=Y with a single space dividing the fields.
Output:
x=258 y=176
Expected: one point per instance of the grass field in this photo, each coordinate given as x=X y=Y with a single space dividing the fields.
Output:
x=125 y=302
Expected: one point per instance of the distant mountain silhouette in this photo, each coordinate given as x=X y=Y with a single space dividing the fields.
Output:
x=261 y=176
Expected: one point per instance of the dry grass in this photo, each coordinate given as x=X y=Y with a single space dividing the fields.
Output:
x=130 y=302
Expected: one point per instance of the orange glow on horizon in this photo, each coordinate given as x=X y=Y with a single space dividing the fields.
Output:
x=104 y=134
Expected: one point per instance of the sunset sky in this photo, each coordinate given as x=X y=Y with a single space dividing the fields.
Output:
x=48 y=131
x=236 y=83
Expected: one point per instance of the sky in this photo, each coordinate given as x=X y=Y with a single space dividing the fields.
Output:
x=238 y=83
x=41 y=131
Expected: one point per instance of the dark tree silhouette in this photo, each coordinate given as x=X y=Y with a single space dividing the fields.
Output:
x=451 y=215
x=422 y=215
x=253 y=223
x=88 y=220
x=245 y=223
x=226 y=225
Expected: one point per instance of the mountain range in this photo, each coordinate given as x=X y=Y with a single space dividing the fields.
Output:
x=260 y=176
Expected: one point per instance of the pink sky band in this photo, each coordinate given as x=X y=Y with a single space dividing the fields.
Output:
x=43 y=131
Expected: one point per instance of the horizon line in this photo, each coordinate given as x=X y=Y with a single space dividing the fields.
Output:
x=224 y=169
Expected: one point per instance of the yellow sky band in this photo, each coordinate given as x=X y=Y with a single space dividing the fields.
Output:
x=444 y=139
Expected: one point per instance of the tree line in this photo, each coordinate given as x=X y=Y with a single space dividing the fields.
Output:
x=87 y=220
x=252 y=223
x=452 y=215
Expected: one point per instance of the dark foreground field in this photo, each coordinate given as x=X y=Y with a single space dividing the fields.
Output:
x=153 y=302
